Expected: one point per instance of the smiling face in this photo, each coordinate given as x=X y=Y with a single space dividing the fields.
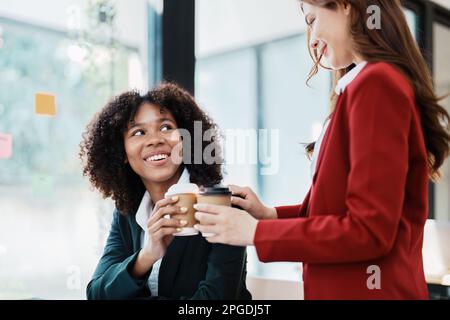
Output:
x=330 y=36
x=149 y=141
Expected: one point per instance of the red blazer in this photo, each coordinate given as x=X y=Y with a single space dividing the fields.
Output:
x=368 y=202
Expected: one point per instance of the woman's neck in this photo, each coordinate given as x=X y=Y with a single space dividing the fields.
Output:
x=158 y=189
x=357 y=59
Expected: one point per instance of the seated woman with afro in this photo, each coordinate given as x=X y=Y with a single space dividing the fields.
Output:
x=142 y=259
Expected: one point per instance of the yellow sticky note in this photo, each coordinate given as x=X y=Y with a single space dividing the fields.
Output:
x=45 y=104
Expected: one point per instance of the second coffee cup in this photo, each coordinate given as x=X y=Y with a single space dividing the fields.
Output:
x=218 y=195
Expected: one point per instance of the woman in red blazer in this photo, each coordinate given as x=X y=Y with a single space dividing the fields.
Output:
x=359 y=231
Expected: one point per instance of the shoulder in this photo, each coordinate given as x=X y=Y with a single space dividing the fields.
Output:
x=384 y=77
x=123 y=220
x=123 y=230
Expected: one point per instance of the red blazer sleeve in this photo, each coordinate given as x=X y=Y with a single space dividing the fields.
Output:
x=285 y=212
x=379 y=113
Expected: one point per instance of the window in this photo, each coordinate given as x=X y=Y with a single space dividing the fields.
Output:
x=53 y=225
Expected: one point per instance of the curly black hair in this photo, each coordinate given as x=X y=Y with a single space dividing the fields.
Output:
x=102 y=148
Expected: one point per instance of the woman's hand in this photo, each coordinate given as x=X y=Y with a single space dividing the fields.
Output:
x=227 y=225
x=160 y=229
x=160 y=234
x=249 y=201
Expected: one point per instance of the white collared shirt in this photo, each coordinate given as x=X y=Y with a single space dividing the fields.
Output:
x=340 y=87
x=317 y=146
x=142 y=216
x=349 y=77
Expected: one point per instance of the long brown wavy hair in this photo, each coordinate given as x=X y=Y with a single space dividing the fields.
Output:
x=394 y=44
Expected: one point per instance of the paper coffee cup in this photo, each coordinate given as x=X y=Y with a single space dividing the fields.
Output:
x=187 y=197
x=218 y=195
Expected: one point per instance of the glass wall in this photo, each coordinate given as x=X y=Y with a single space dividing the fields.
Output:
x=80 y=53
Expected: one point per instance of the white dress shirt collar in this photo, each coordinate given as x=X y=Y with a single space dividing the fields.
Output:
x=349 y=77
x=146 y=206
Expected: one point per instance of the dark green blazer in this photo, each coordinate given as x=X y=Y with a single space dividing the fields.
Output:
x=192 y=268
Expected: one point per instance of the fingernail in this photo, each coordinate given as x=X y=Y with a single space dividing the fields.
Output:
x=183 y=209
x=197 y=206
x=178 y=229
x=174 y=198
x=183 y=222
x=196 y=226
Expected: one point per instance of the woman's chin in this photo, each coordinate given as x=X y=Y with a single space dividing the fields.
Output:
x=163 y=174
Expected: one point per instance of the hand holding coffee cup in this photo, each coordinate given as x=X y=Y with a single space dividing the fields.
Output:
x=187 y=197
x=217 y=195
x=224 y=224
x=246 y=199
x=160 y=229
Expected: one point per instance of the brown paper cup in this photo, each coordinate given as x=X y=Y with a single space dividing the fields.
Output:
x=213 y=198
x=186 y=200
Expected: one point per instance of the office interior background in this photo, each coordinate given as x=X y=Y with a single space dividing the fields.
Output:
x=247 y=63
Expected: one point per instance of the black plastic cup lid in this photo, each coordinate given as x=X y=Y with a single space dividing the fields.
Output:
x=214 y=190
